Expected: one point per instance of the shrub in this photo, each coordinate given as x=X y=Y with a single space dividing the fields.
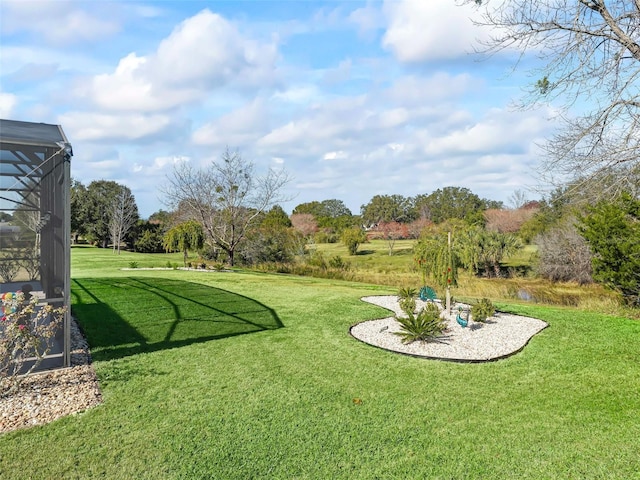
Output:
x=133 y=264
x=563 y=255
x=149 y=242
x=338 y=263
x=26 y=330
x=407 y=300
x=352 y=238
x=482 y=310
x=425 y=325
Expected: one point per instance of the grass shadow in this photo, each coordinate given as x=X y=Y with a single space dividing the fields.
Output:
x=127 y=316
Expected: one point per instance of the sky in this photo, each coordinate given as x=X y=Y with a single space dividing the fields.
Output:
x=351 y=98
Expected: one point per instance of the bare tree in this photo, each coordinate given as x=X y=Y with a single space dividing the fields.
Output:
x=227 y=198
x=122 y=215
x=591 y=52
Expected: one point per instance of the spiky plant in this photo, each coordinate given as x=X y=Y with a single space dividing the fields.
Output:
x=425 y=325
x=407 y=300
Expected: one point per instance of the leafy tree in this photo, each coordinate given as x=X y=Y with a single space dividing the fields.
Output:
x=228 y=198
x=612 y=230
x=97 y=209
x=388 y=208
x=270 y=243
x=161 y=217
x=437 y=259
x=454 y=202
x=149 y=241
x=352 y=238
x=330 y=214
x=276 y=217
x=78 y=213
x=184 y=237
x=591 y=53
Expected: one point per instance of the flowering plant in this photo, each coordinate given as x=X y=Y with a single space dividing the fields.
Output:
x=26 y=331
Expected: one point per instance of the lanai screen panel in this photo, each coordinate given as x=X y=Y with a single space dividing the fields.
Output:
x=34 y=223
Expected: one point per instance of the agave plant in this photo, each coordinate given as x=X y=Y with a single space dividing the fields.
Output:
x=407 y=300
x=425 y=325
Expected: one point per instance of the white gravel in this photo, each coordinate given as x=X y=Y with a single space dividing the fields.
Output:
x=501 y=336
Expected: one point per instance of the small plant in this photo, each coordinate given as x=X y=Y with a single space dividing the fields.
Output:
x=168 y=264
x=407 y=300
x=482 y=310
x=203 y=266
x=218 y=267
x=133 y=264
x=26 y=330
x=338 y=263
x=425 y=325
x=189 y=265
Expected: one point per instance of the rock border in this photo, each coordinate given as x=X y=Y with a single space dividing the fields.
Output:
x=501 y=337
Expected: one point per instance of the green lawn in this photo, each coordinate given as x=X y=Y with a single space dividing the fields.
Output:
x=246 y=375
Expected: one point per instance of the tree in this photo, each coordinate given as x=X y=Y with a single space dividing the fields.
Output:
x=507 y=221
x=483 y=250
x=97 y=208
x=305 y=223
x=330 y=214
x=454 y=202
x=563 y=254
x=184 y=237
x=612 y=230
x=437 y=259
x=123 y=215
x=387 y=208
x=591 y=52
x=352 y=238
x=392 y=231
x=276 y=217
x=227 y=198
x=78 y=194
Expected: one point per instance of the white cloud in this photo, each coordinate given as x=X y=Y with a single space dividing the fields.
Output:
x=59 y=22
x=95 y=126
x=239 y=127
x=367 y=18
x=8 y=102
x=420 y=30
x=203 y=53
x=339 y=155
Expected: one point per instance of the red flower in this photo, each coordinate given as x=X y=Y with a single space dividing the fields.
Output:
x=448 y=280
x=21 y=327
x=449 y=269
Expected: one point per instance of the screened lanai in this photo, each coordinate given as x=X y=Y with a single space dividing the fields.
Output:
x=34 y=220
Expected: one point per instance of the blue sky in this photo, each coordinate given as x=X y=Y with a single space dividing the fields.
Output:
x=352 y=98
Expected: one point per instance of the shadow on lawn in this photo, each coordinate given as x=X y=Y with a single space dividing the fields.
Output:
x=127 y=316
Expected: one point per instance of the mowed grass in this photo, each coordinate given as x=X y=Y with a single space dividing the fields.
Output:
x=239 y=375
